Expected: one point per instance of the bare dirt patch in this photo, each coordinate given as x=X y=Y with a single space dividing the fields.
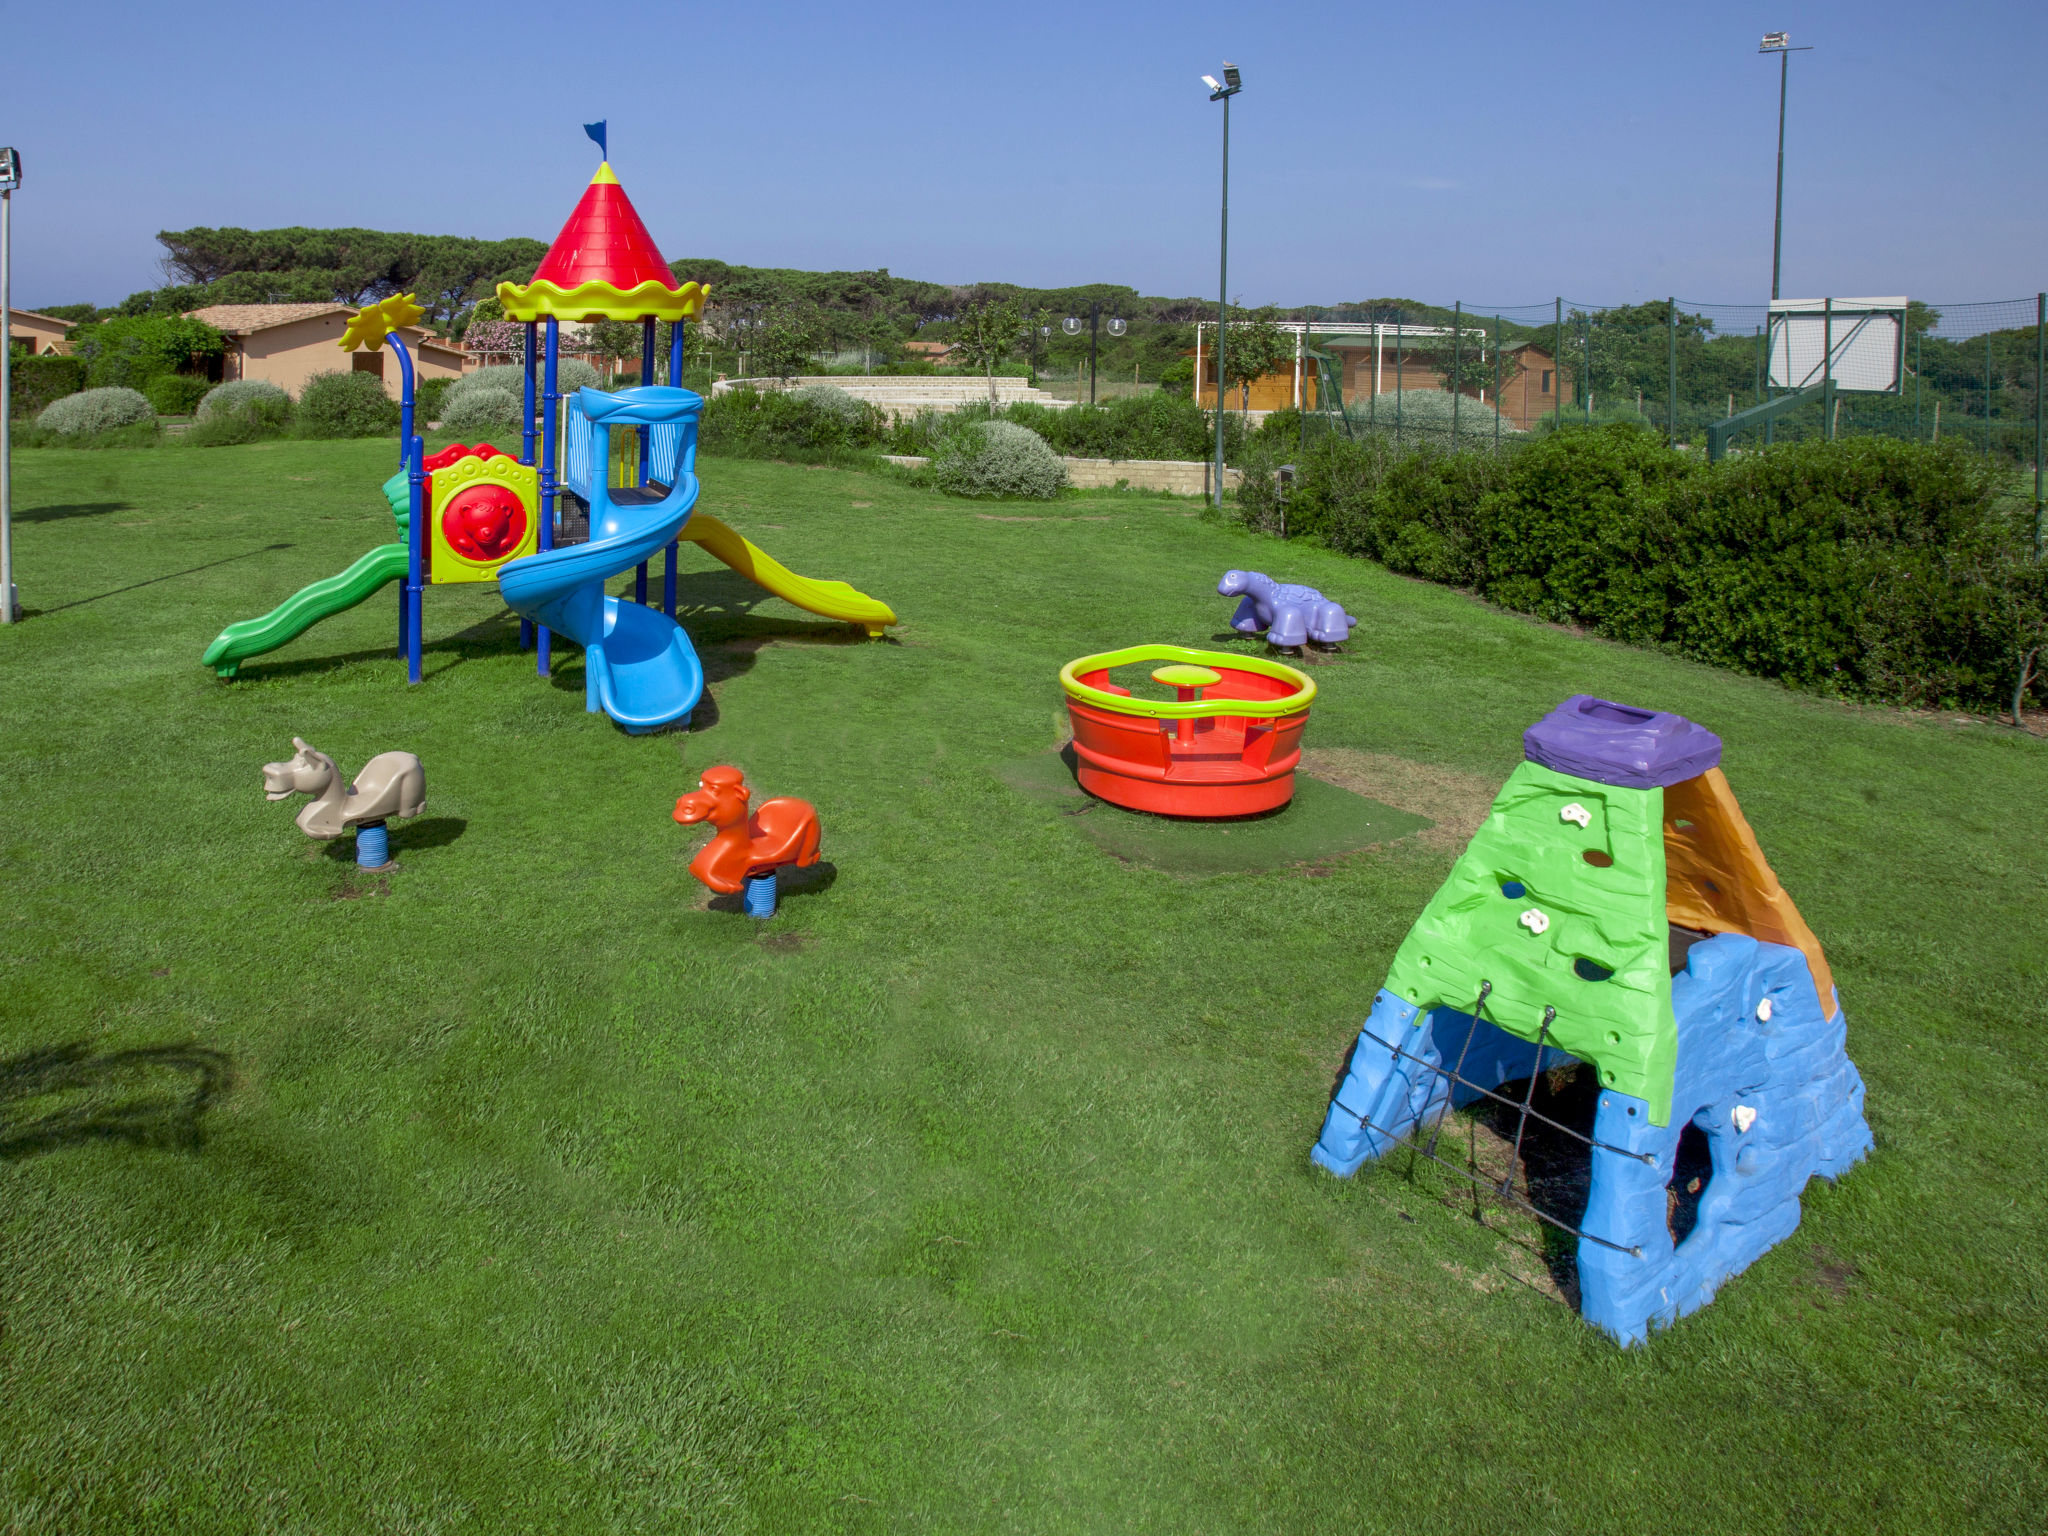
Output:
x=1456 y=801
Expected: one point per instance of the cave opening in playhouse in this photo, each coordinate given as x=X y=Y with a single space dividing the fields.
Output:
x=1616 y=988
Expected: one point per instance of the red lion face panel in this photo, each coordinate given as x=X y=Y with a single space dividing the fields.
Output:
x=484 y=523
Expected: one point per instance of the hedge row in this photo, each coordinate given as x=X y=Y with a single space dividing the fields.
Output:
x=34 y=382
x=1867 y=567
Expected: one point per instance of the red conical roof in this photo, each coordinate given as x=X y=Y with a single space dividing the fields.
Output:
x=604 y=242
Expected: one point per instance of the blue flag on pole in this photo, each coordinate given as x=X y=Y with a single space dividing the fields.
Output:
x=596 y=132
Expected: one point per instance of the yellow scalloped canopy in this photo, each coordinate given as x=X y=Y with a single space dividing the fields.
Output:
x=541 y=299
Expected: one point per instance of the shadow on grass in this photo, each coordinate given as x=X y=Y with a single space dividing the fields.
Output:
x=57 y=512
x=64 y=1096
x=791 y=884
x=133 y=586
x=406 y=837
x=496 y=636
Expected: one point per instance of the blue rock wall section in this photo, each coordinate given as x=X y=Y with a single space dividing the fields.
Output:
x=1761 y=1071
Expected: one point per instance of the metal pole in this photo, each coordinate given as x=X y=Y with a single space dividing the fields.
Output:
x=1827 y=370
x=1671 y=396
x=1557 y=365
x=8 y=609
x=1778 y=223
x=675 y=379
x=646 y=446
x=1586 y=382
x=1919 y=377
x=1222 y=302
x=1987 y=394
x=1095 y=335
x=1496 y=384
x=2040 y=370
x=543 y=640
x=1457 y=363
x=1400 y=357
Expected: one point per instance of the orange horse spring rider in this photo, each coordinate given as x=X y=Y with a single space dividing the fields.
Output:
x=747 y=850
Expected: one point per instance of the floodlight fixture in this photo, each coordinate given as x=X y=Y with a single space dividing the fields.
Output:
x=10 y=169
x=1212 y=82
x=1775 y=42
x=1232 y=77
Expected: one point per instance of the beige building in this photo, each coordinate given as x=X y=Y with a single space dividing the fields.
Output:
x=43 y=335
x=286 y=344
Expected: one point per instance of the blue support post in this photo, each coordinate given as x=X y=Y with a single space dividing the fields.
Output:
x=410 y=454
x=543 y=640
x=530 y=361
x=675 y=379
x=646 y=377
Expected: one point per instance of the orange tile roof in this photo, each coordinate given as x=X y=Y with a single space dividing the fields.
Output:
x=241 y=319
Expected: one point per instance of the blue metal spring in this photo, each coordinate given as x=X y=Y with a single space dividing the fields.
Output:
x=373 y=846
x=760 y=895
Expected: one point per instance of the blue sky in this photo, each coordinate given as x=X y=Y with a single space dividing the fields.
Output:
x=1495 y=152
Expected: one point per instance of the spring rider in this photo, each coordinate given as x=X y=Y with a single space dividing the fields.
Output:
x=392 y=784
x=748 y=850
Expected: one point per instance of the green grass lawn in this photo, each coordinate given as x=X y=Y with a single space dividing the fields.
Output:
x=520 y=1191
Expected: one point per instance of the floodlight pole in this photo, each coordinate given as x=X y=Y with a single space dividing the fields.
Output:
x=1784 y=51
x=1222 y=93
x=7 y=603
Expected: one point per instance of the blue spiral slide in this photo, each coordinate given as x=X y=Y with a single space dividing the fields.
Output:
x=639 y=666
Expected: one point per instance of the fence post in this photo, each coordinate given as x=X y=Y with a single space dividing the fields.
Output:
x=2040 y=369
x=1987 y=394
x=1918 y=378
x=1457 y=364
x=1827 y=371
x=1497 y=406
x=1671 y=394
x=1400 y=357
x=1586 y=378
x=1557 y=365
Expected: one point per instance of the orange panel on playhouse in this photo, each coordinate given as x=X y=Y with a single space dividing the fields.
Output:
x=483 y=509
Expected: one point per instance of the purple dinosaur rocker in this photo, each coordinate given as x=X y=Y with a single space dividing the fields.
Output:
x=1289 y=614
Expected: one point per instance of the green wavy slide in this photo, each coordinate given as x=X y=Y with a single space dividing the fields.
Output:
x=305 y=608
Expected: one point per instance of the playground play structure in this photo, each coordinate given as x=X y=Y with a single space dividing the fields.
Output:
x=597 y=489
x=1226 y=744
x=1615 y=909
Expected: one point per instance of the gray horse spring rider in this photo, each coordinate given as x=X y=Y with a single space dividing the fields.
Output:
x=1289 y=614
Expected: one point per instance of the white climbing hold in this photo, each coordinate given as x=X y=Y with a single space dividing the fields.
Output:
x=1744 y=1116
x=1535 y=921
x=1763 y=1011
x=1576 y=812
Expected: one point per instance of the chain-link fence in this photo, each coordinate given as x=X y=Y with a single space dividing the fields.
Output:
x=1479 y=375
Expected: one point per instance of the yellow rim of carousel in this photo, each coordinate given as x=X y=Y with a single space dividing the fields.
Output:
x=1199 y=709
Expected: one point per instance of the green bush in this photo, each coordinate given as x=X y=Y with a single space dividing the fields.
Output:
x=36 y=381
x=96 y=410
x=427 y=401
x=1429 y=415
x=176 y=394
x=571 y=375
x=244 y=411
x=480 y=412
x=131 y=350
x=1155 y=425
x=818 y=422
x=346 y=405
x=997 y=458
x=1868 y=567
x=239 y=395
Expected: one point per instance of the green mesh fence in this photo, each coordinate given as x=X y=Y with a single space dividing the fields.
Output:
x=1484 y=376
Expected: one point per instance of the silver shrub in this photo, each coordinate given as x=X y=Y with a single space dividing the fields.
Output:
x=239 y=395
x=997 y=458
x=95 y=410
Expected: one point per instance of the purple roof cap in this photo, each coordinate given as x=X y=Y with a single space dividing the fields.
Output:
x=1614 y=744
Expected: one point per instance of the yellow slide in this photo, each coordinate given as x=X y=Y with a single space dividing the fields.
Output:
x=830 y=599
